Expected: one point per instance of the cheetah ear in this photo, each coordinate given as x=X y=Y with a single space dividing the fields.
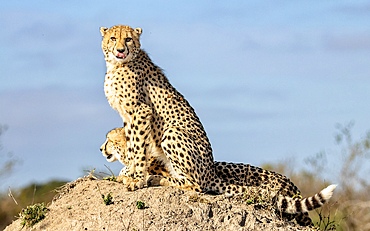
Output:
x=103 y=30
x=138 y=30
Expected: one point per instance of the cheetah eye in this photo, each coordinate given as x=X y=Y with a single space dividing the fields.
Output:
x=113 y=38
x=128 y=39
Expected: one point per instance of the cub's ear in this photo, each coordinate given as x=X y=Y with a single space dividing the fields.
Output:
x=103 y=30
x=138 y=30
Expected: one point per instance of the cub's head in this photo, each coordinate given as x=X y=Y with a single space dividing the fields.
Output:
x=114 y=147
x=120 y=43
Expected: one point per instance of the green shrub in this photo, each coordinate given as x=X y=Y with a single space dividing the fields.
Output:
x=32 y=214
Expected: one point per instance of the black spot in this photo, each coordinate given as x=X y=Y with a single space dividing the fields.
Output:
x=284 y=204
x=308 y=205
x=298 y=205
x=322 y=200
x=315 y=203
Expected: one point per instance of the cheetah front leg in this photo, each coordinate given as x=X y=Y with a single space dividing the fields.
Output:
x=179 y=159
x=137 y=135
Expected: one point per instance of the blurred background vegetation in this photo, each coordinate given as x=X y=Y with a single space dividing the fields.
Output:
x=349 y=209
x=7 y=160
x=12 y=201
x=347 y=166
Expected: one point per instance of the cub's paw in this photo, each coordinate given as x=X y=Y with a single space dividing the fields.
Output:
x=131 y=183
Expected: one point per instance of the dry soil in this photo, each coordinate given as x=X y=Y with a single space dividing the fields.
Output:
x=80 y=206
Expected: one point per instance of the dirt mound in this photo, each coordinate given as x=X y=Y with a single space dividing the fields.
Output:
x=80 y=206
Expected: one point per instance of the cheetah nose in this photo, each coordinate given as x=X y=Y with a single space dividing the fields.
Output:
x=121 y=50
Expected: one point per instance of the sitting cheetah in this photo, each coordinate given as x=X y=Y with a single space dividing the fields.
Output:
x=278 y=188
x=173 y=134
x=133 y=81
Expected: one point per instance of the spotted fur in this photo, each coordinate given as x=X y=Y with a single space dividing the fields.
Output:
x=278 y=188
x=161 y=126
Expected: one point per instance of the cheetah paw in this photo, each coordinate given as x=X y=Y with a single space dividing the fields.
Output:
x=156 y=180
x=131 y=183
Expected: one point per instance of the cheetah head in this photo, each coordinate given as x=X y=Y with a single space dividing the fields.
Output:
x=114 y=146
x=120 y=43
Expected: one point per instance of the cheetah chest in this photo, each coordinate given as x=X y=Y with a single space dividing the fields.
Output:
x=119 y=94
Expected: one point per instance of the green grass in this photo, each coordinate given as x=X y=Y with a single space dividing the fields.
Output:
x=140 y=205
x=32 y=214
x=108 y=199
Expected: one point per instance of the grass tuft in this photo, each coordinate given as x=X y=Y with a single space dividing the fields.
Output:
x=33 y=214
x=140 y=205
x=108 y=199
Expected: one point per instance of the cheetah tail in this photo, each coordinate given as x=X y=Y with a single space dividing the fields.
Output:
x=295 y=205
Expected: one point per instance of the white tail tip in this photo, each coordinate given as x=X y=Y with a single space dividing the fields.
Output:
x=327 y=192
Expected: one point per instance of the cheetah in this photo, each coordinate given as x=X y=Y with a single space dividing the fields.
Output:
x=176 y=134
x=274 y=186
x=173 y=133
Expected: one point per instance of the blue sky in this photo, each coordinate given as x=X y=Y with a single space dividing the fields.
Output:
x=268 y=79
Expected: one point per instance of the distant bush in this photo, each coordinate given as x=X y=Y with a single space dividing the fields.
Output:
x=349 y=209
